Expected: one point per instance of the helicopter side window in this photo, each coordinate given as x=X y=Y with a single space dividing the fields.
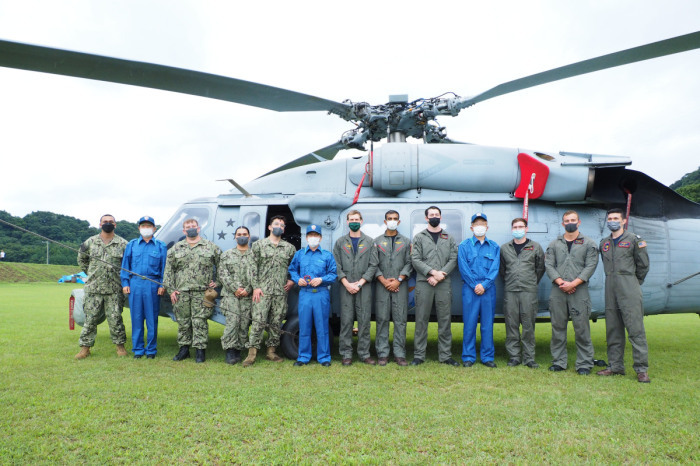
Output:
x=452 y=223
x=171 y=232
x=251 y=220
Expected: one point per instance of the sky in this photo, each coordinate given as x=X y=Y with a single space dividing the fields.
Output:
x=83 y=148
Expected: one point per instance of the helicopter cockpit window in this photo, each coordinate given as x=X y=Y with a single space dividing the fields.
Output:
x=171 y=233
x=452 y=223
x=251 y=220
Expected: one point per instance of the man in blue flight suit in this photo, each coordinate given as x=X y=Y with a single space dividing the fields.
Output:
x=313 y=269
x=144 y=256
x=479 y=260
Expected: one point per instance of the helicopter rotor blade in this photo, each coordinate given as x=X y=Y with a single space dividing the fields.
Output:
x=84 y=65
x=321 y=155
x=645 y=52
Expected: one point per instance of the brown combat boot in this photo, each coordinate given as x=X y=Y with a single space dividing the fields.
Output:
x=250 y=360
x=84 y=352
x=121 y=351
x=271 y=355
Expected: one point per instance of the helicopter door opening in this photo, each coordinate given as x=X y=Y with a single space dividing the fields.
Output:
x=292 y=231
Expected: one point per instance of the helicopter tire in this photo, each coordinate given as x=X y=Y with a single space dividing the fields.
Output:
x=290 y=341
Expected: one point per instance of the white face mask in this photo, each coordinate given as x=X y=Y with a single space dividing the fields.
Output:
x=479 y=230
x=146 y=232
x=392 y=224
x=313 y=241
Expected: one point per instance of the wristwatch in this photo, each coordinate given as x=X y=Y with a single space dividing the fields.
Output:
x=359 y=285
x=400 y=279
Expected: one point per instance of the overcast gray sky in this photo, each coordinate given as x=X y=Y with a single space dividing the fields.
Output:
x=84 y=148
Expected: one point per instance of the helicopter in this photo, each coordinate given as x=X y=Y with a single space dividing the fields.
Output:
x=460 y=178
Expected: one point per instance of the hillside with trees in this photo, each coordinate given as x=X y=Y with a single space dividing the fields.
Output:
x=24 y=247
x=689 y=186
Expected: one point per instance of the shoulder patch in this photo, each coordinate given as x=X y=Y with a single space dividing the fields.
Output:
x=642 y=244
x=606 y=246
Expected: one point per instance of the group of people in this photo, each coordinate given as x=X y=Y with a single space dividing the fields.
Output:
x=255 y=280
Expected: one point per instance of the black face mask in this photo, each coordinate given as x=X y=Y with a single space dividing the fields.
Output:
x=571 y=227
x=108 y=227
x=434 y=221
x=191 y=232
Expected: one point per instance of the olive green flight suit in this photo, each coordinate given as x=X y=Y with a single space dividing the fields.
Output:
x=626 y=265
x=426 y=255
x=354 y=266
x=392 y=258
x=521 y=274
x=579 y=263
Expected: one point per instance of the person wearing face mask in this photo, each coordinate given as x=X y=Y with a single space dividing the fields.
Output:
x=352 y=254
x=392 y=258
x=144 y=256
x=626 y=263
x=100 y=257
x=433 y=256
x=479 y=261
x=570 y=262
x=236 y=271
x=271 y=284
x=314 y=270
x=522 y=267
x=190 y=269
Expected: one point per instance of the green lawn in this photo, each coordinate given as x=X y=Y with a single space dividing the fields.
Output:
x=110 y=410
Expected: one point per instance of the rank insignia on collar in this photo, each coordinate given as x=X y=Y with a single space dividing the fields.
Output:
x=606 y=246
x=578 y=241
x=623 y=244
x=642 y=244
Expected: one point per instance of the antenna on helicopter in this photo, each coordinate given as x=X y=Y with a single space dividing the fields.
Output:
x=238 y=186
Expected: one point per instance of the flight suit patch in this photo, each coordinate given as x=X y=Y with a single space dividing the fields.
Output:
x=529 y=248
x=578 y=241
x=606 y=246
x=642 y=244
x=623 y=244
x=443 y=235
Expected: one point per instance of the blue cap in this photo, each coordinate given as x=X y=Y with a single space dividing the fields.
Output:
x=314 y=229
x=479 y=215
x=147 y=219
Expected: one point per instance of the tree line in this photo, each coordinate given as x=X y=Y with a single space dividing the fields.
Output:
x=24 y=247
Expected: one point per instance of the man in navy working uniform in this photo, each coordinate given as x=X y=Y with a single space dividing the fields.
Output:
x=479 y=260
x=144 y=256
x=313 y=269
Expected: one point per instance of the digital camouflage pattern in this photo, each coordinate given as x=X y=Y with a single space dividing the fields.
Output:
x=236 y=270
x=272 y=272
x=97 y=307
x=192 y=315
x=102 y=263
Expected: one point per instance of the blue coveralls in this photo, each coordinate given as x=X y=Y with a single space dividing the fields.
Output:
x=314 y=303
x=147 y=259
x=478 y=264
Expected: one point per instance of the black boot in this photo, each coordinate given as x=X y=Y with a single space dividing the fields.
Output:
x=233 y=356
x=200 y=356
x=184 y=353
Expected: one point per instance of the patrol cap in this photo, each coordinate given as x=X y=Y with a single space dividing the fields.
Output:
x=479 y=215
x=147 y=219
x=314 y=229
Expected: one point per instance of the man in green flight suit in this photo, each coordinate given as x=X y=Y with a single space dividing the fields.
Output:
x=570 y=262
x=236 y=277
x=433 y=256
x=271 y=283
x=626 y=263
x=100 y=257
x=352 y=254
x=190 y=269
x=392 y=257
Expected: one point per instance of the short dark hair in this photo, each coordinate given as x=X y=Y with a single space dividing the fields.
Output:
x=278 y=217
x=433 y=207
x=615 y=210
x=107 y=215
x=390 y=212
x=519 y=219
x=245 y=228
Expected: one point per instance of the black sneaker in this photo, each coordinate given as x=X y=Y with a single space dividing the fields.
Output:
x=490 y=364
x=138 y=356
x=533 y=365
x=555 y=368
x=583 y=372
x=450 y=362
x=150 y=356
x=417 y=362
x=468 y=363
x=299 y=363
x=326 y=363
x=513 y=362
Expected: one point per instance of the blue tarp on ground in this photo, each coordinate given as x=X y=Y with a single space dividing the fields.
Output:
x=75 y=278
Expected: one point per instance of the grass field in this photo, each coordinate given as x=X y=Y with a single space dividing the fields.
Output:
x=14 y=272
x=54 y=409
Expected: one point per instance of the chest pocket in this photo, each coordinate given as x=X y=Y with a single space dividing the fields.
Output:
x=487 y=261
x=154 y=262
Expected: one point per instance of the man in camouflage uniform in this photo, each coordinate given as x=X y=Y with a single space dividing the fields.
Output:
x=100 y=257
x=189 y=270
x=352 y=254
x=626 y=263
x=236 y=276
x=434 y=257
x=271 y=283
x=570 y=262
x=392 y=258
